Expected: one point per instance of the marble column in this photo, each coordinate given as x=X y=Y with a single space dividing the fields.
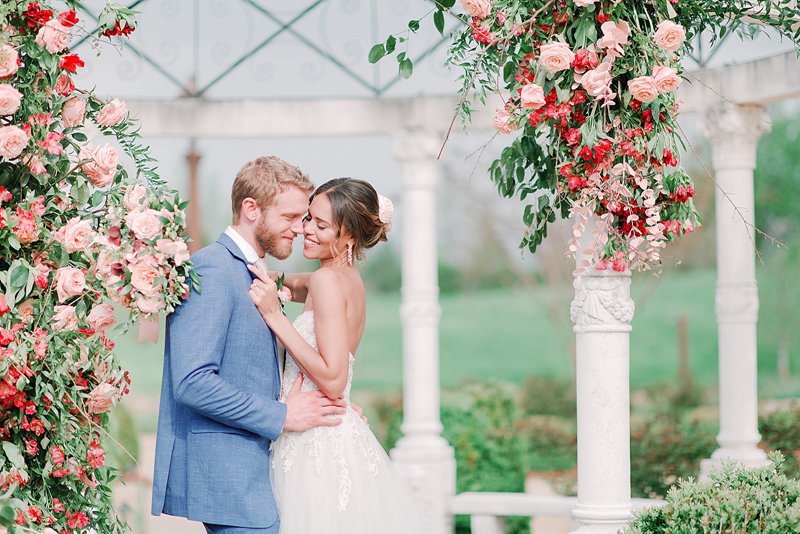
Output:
x=424 y=457
x=602 y=312
x=734 y=132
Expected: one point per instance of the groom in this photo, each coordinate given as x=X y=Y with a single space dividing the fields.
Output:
x=219 y=409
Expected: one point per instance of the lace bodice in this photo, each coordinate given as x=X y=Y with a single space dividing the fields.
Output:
x=304 y=324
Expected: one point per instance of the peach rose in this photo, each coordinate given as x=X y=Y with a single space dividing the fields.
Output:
x=9 y=60
x=666 y=79
x=144 y=223
x=643 y=88
x=25 y=310
x=13 y=140
x=143 y=277
x=35 y=164
x=102 y=165
x=555 y=57
x=54 y=36
x=73 y=112
x=134 y=196
x=149 y=305
x=532 y=96
x=584 y=3
x=615 y=34
x=64 y=318
x=598 y=80
x=477 y=8
x=10 y=99
x=503 y=121
x=669 y=36
x=78 y=235
x=112 y=113
x=70 y=282
x=102 y=316
x=175 y=249
x=101 y=398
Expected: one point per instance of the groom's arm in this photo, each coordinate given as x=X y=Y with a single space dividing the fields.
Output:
x=197 y=333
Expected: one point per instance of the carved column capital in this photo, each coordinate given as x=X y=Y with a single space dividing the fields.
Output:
x=602 y=302
x=412 y=145
x=734 y=132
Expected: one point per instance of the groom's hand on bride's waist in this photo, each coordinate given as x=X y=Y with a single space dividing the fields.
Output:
x=309 y=409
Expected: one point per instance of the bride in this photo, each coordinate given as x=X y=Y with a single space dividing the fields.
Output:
x=335 y=479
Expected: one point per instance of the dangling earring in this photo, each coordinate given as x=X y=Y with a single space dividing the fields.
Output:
x=350 y=254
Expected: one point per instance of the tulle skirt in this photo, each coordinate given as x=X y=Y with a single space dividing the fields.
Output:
x=339 y=480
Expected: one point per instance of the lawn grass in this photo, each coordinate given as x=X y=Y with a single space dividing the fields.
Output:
x=506 y=334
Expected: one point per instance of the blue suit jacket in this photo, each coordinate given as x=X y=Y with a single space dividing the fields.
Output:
x=219 y=408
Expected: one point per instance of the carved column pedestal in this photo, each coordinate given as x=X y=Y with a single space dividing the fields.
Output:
x=424 y=457
x=602 y=312
x=734 y=132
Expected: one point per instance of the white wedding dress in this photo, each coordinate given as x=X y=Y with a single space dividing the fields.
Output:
x=336 y=480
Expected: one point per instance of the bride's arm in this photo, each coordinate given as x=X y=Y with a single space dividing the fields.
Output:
x=297 y=284
x=328 y=368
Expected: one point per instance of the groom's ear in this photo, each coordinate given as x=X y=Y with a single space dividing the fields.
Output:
x=250 y=209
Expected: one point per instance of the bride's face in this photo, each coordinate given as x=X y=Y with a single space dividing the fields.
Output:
x=319 y=231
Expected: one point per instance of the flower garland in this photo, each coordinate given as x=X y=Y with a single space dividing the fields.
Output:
x=589 y=90
x=82 y=242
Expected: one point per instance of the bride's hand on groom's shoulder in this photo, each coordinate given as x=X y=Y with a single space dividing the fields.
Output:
x=308 y=409
x=264 y=293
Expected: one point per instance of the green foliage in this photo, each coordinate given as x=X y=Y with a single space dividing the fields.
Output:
x=780 y=431
x=734 y=500
x=548 y=396
x=662 y=451
x=550 y=443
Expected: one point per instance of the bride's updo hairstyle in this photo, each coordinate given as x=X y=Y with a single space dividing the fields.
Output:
x=356 y=211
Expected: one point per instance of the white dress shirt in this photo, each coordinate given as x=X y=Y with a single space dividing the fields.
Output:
x=247 y=249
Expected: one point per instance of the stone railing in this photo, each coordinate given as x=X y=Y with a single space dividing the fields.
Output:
x=488 y=511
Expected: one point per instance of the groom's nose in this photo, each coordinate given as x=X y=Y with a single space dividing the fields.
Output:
x=297 y=227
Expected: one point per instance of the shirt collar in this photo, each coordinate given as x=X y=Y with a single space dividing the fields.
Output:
x=249 y=252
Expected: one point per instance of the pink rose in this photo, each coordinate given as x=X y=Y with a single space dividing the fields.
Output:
x=70 y=282
x=175 y=249
x=35 y=165
x=64 y=318
x=78 y=235
x=10 y=99
x=26 y=229
x=149 y=305
x=9 y=60
x=584 y=3
x=112 y=113
x=101 y=398
x=669 y=36
x=503 y=121
x=73 y=112
x=134 y=196
x=643 y=88
x=102 y=316
x=101 y=166
x=615 y=34
x=532 y=96
x=13 y=140
x=143 y=277
x=54 y=36
x=666 y=79
x=144 y=223
x=555 y=57
x=477 y=8
x=598 y=80
x=105 y=259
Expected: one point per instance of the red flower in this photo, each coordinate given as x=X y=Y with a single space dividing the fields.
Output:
x=64 y=85
x=481 y=33
x=6 y=337
x=96 y=455
x=669 y=159
x=71 y=63
x=573 y=136
x=58 y=456
x=619 y=264
x=4 y=309
x=602 y=17
x=36 y=16
x=57 y=506
x=35 y=514
x=586 y=153
x=77 y=520
x=68 y=18
x=118 y=30
x=31 y=446
x=20 y=517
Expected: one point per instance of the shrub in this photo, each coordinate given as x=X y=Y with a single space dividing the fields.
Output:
x=733 y=500
x=780 y=431
x=549 y=396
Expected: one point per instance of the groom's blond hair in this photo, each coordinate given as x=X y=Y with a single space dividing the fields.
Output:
x=263 y=179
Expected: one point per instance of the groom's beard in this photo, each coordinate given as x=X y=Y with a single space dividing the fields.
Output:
x=273 y=243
